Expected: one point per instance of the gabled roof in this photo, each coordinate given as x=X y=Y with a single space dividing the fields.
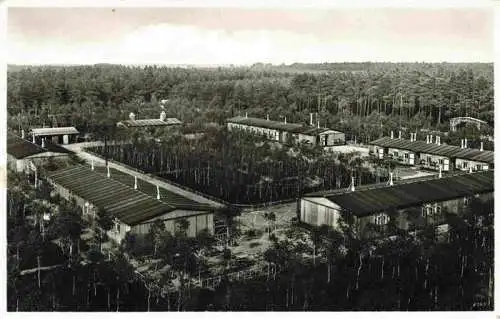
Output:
x=253 y=121
x=21 y=148
x=407 y=194
x=50 y=131
x=150 y=122
x=432 y=148
x=312 y=130
x=130 y=206
x=275 y=125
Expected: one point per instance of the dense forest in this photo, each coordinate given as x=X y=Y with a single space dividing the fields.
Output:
x=65 y=263
x=240 y=168
x=362 y=99
x=61 y=260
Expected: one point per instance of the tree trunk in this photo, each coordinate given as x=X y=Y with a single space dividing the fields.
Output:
x=439 y=116
x=382 y=271
x=328 y=270
x=168 y=301
x=314 y=255
x=38 y=265
x=179 y=298
x=359 y=271
x=118 y=299
x=149 y=298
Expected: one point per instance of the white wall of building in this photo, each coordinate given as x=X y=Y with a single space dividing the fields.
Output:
x=464 y=164
x=403 y=156
x=319 y=211
x=432 y=161
x=196 y=224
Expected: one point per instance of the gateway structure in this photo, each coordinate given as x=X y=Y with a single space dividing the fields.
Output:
x=58 y=135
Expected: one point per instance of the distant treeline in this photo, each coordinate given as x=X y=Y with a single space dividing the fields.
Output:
x=362 y=99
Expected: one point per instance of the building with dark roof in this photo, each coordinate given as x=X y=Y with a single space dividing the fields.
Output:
x=134 y=209
x=284 y=131
x=409 y=203
x=162 y=121
x=432 y=155
x=149 y=123
x=20 y=152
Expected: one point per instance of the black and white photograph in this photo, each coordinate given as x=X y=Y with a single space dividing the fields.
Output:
x=249 y=159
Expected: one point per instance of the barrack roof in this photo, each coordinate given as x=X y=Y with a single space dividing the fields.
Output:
x=405 y=194
x=276 y=125
x=432 y=148
x=21 y=148
x=130 y=206
x=150 y=122
x=50 y=131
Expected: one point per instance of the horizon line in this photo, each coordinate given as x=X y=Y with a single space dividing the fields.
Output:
x=247 y=64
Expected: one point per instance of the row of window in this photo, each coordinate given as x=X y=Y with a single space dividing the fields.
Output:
x=429 y=210
x=271 y=134
x=381 y=219
x=428 y=160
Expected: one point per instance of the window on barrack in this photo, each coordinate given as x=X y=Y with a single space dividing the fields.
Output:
x=437 y=209
x=466 y=201
x=381 y=219
x=427 y=210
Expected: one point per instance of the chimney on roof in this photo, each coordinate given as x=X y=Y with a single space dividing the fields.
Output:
x=318 y=123
x=352 y=184
x=268 y=117
x=440 y=171
x=411 y=137
x=109 y=175
x=158 y=192
x=481 y=148
x=132 y=116
x=311 y=119
x=34 y=141
x=399 y=134
x=163 y=116
x=43 y=142
x=246 y=114
x=135 y=182
x=92 y=165
x=461 y=143
x=465 y=142
x=285 y=119
x=22 y=134
x=391 y=182
x=414 y=136
x=392 y=135
x=438 y=140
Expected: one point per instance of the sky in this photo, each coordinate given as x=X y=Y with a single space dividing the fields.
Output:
x=205 y=36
